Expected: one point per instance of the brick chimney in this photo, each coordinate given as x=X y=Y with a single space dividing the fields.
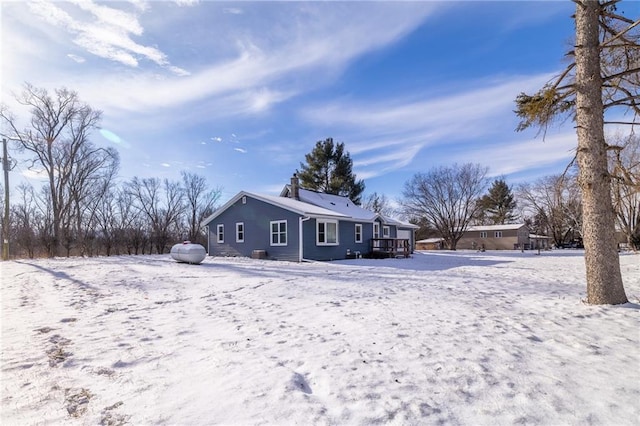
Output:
x=294 y=191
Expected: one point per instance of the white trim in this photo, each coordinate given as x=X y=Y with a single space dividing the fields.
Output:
x=386 y=231
x=326 y=222
x=483 y=234
x=376 y=230
x=278 y=233
x=219 y=232
x=238 y=232
x=497 y=234
x=301 y=220
x=358 y=238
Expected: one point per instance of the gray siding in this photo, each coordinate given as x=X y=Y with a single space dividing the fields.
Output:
x=256 y=216
x=346 y=240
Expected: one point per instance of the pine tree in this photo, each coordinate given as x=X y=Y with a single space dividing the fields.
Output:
x=602 y=78
x=329 y=169
x=499 y=204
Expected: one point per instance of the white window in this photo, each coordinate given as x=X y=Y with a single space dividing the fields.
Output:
x=220 y=230
x=386 y=232
x=483 y=234
x=358 y=232
x=279 y=233
x=498 y=234
x=327 y=232
x=244 y=199
x=376 y=230
x=239 y=232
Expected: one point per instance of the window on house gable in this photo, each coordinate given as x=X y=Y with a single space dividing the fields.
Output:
x=326 y=232
x=239 y=232
x=386 y=232
x=220 y=233
x=358 y=232
x=279 y=233
x=376 y=230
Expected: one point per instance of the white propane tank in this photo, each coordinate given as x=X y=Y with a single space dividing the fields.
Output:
x=188 y=253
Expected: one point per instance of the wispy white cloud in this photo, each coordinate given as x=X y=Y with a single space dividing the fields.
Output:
x=186 y=2
x=107 y=33
x=241 y=150
x=513 y=156
x=33 y=174
x=389 y=134
x=308 y=45
x=233 y=10
x=76 y=58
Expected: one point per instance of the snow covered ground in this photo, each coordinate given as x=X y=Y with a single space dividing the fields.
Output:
x=454 y=338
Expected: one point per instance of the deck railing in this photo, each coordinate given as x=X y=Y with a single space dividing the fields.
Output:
x=391 y=247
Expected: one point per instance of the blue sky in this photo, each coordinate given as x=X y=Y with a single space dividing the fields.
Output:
x=239 y=92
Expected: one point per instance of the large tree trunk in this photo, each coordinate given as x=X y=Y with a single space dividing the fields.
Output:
x=604 y=280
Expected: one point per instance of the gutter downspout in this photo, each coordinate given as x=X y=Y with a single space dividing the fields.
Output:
x=208 y=241
x=301 y=240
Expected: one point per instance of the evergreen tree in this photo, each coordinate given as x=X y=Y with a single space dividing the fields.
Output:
x=602 y=80
x=499 y=204
x=329 y=169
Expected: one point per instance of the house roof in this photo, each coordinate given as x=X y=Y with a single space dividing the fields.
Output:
x=314 y=204
x=302 y=208
x=496 y=227
x=344 y=206
x=430 y=240
x=398 y=223
x=336 y=203
x=297 y=206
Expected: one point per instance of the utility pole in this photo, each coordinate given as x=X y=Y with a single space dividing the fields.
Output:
x=5 y=225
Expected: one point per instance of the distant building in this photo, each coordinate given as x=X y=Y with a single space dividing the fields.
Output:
x=430 y=244
x=496 y=237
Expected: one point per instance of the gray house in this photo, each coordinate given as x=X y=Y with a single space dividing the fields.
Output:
x=303 y=225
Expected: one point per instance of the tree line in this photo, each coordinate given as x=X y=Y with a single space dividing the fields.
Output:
x=83 y=209
x=603 y=76
x=447 y=199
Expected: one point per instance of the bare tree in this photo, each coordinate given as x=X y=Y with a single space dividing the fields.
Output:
x=604 y=76
x=200 y=202
x=446 y=198
x=131 y=232
x=625 y=170
x=44 y=223
x=553 y=204
x=90 y=179
x=57 y=138
x=378 y=203
x=25 y=213
x=161 y=202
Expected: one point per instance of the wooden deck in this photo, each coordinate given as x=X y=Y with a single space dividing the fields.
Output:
x=390 y=247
